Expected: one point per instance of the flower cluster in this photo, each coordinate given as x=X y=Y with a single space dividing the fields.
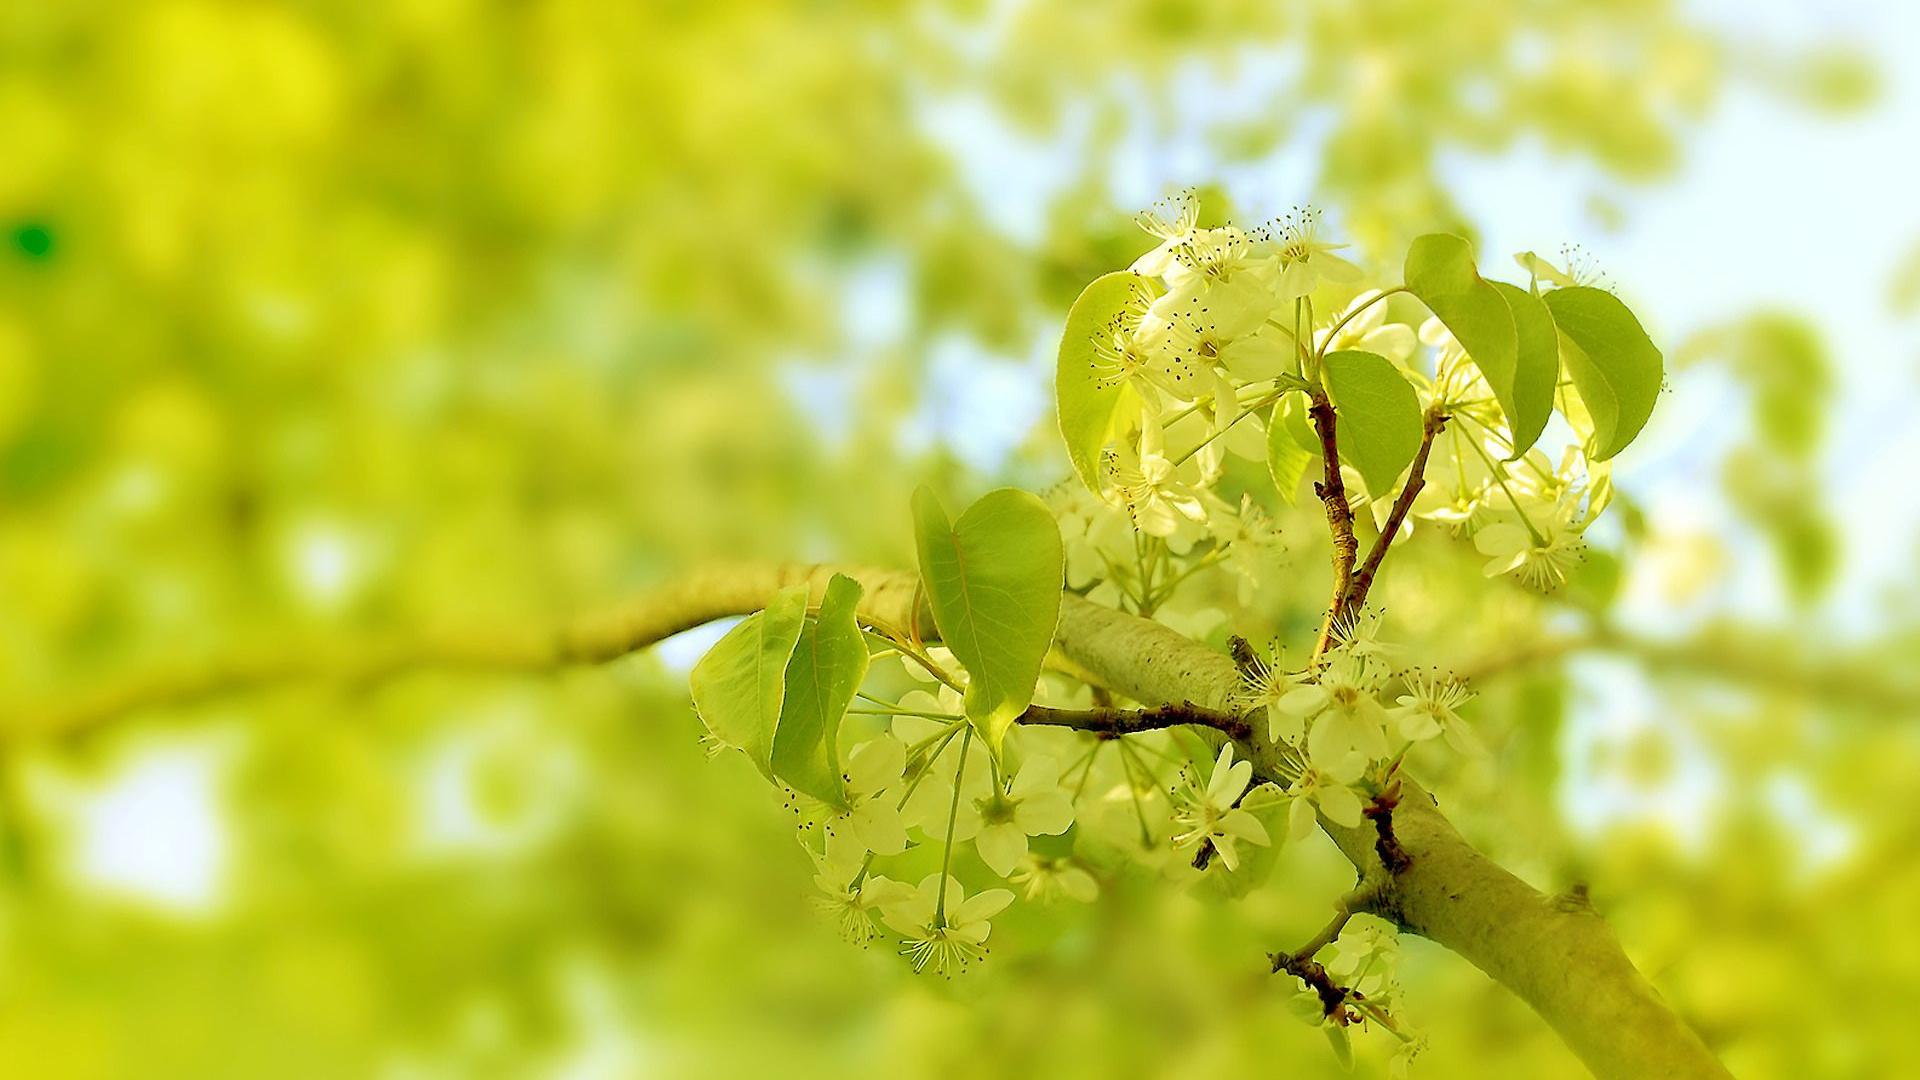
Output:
x=1220 y=331
x=1336 y=736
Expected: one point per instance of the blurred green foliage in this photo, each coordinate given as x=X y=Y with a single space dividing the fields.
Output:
x=324 y=320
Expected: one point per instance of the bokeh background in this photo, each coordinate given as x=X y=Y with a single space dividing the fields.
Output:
x=325 y=323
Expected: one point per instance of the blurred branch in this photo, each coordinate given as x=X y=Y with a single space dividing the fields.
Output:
x=1774 y=663
x=596 y=637
x=1561 y=959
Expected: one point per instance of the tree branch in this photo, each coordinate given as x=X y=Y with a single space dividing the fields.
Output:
x=1356 y=595
x=1108 y=721
x=1559 y=956
x=1332 y=489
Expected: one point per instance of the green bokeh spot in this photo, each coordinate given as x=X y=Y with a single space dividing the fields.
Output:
x=34 y=240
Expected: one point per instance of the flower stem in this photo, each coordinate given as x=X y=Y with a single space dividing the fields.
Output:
x=1320 y=352
x=1500 y=477
x=953 y=817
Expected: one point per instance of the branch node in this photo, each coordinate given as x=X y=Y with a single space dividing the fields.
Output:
x=1386 y=844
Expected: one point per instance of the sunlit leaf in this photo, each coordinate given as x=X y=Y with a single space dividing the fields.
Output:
x=738 y=687
x=825 y=670
x=1614 y=365
x=1536 y=367
x=993 y=580
x=1440 y=271
x=1087 y=394
x=1379 y=416
x=1287 y=459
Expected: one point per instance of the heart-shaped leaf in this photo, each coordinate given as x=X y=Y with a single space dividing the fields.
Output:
x=993 y=580
x=827 y=666
x=1287 y=456
x=1614 y=365
x=1379 y=416
x=1536 y=370
x=1440 y=271
x=738 y=687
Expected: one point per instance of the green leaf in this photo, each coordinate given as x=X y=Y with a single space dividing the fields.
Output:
x=1440 y=271
x=1528 y=400
x=826 y=668
x=1087 y=400
x=1341 y=1044
x=1379 y=416
x=739 y=685
x=993 y=580
x=1287 y=460
x=1614 y=365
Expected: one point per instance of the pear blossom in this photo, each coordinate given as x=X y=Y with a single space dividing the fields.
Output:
x=1368 y=331
x=1339 y=709
x=1034 y=804
x=1209 y=814
x=945 y=936
x=1262 y=686
x=1541 y=551
x=1171 y=221
x=1326 y=786
x=1304 y=257
x=1430 y=707
x=849 y=896
x=1144 y=483
x=870 y=817
x=1144 y=365
x=1252 y=543
x=1049 y=879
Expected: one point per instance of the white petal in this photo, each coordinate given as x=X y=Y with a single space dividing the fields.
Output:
x=1300 y=820
x=1040 y=773
x=1001 y=847
x=1303 y=700
x=874 y=764
x=985 y=905
x=1048 y=813
x=1340 y=805
x=1246 y=827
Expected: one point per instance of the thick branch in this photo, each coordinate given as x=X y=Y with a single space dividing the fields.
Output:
x=1356 y=595
x=1557 y=955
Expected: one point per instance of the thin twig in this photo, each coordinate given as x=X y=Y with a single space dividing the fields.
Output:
x=1332 y=490
x=1357 y=590
x=1109 y=721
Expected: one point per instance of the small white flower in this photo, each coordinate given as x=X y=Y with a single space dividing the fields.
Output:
x=1034 y=804
x=1327 y=786
x=1263 y=686
x=1340 y=706
x=1369 y=331
x=1541 y=555
x=849 y=896
x=1304 y=257
x=1047 y=880
x=870 y=818
x=1429 y=708
x=1171 y=221
x=949 y=936
x=1209 y=813
x=1145 y=484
